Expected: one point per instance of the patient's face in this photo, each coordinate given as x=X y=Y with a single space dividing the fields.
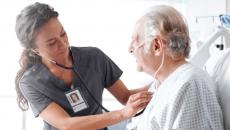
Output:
x=137 y=46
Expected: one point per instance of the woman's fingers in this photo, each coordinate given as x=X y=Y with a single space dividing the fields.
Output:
x=140 y=97
x=137 y=102
x=141 y=101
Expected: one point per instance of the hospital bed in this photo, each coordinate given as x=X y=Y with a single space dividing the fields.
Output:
x=218 y=65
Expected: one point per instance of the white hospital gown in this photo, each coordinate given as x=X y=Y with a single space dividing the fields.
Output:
x=184 y=101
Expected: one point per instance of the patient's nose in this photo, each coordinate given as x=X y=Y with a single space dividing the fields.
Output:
x=130 y=48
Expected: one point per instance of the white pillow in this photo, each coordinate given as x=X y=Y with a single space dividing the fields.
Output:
x=218 y=66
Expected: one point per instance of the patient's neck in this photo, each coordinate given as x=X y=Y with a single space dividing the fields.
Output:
x=168 y=68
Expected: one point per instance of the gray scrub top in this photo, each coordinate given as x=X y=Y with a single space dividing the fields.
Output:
x=41 y=87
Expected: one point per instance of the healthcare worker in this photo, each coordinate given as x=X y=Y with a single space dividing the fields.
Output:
x=51 y=71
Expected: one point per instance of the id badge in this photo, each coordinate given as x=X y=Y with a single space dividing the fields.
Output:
x=76 y=100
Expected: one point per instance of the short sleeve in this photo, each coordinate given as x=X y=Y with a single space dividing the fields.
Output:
x=38 y=101
x=196 y=108
x=112 y=72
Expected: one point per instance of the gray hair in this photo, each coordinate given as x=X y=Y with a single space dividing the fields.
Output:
x=169 y=24
x=30 y=19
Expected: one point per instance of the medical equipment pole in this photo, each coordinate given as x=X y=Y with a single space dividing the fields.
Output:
x=23 y=120
x=227 y=7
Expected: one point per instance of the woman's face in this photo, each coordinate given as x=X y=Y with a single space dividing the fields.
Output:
x=51 y=41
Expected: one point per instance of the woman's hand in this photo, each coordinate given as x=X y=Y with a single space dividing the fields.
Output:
x=136 y=102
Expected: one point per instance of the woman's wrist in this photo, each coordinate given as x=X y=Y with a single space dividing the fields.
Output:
x=125 y=114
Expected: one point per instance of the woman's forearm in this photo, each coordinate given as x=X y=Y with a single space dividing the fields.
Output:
x=59 y=118
x=95 y=122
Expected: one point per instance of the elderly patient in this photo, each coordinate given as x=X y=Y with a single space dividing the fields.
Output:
x=184 y=96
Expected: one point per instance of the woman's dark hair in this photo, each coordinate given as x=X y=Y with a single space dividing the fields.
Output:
x=30 y=19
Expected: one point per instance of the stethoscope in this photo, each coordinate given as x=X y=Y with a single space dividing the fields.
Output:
x=81 y=80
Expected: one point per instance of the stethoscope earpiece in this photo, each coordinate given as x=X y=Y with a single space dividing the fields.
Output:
x=35 y=52
x=44 y=57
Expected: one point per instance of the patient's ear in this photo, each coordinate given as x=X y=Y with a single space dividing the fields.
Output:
x=157 y=46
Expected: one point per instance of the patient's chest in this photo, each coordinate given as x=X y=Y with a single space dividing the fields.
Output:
x=160 y=109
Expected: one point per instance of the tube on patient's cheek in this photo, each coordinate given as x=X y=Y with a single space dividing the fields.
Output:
x=136 y=48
